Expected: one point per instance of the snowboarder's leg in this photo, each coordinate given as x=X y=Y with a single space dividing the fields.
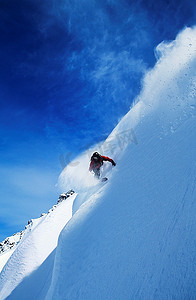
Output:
x=97 y=173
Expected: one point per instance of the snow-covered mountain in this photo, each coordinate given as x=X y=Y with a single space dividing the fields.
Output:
x=133 y=237
x=8 y=246
x=24 y=240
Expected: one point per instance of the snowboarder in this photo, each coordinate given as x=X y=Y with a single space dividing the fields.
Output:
x=97 y=161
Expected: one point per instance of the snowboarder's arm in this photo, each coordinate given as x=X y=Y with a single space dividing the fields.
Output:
x=105 y=158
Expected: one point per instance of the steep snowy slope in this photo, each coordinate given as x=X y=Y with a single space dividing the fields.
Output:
x=135 y=238
x=37 y=246
x=4 y=258
x=8 y=246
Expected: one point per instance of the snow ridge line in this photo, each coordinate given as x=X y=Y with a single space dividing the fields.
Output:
x=11 y=243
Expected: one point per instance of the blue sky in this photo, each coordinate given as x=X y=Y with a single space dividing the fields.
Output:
x=69 y=70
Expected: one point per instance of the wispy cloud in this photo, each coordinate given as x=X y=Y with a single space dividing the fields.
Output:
x=103 y=66
x=108 y=53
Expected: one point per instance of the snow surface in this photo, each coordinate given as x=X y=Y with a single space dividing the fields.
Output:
x=35 y=249
x=4 y=258
x=137 y=239
x=8 y=246
x=133 y=237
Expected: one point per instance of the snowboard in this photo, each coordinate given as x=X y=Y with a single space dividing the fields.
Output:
x=104 y=179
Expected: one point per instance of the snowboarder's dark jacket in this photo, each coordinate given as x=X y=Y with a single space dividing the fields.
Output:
x=94 y=165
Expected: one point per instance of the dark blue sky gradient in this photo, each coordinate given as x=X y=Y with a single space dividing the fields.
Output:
x=69 y=70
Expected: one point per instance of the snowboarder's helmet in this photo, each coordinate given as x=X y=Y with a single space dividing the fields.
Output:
x=96 y=156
